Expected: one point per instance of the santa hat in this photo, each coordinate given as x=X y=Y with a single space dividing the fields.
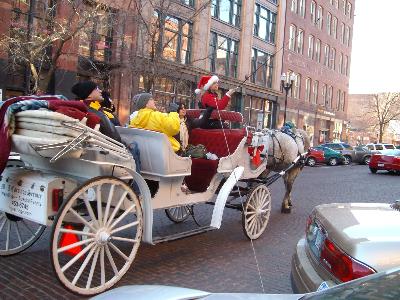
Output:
x=206 y=82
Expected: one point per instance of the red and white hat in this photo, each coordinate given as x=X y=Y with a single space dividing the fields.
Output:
x=205 y=83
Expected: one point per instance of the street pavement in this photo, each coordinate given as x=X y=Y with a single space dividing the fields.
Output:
x=221 y=260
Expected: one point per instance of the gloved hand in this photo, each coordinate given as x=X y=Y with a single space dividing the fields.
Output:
x=173 y=107
x=231 y=91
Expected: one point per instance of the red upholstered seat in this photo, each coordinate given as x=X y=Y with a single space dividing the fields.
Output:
x=226 y=115
x=221 y=142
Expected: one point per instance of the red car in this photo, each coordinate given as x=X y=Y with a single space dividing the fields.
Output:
x=388 y=160
x=315 y=156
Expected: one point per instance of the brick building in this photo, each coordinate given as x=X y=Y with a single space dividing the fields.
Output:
x=231 y=38
x=318 y=36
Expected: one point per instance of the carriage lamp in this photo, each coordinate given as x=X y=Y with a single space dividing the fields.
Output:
x=287 y=83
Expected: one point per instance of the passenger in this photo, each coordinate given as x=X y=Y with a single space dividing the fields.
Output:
x=208 y=88
x=187 y=124
x=148 y=117
x=90 y=94
x=108 y=108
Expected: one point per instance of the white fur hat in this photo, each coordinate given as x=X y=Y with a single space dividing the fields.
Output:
x=206 y=82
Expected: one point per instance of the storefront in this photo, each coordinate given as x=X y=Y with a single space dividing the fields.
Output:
x=257 y=112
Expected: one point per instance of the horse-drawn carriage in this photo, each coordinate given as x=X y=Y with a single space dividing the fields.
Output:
x=84 y=186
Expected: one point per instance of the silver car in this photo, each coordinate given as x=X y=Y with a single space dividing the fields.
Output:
x=344 y=242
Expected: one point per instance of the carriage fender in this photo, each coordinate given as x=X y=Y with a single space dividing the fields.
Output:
x=223 y=196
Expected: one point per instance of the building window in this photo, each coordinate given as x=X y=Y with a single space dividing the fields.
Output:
x=302 y=8
x=349 y=8
x=300 y=41
x=340 y=66
x=329 y=98
x=346 y=65
x=329 y=23
x=315 y=92
x=334 y=27
x=326 y=55
x=344 y=6
x=188 y=2
x=292 y=37
x=347 y=38
x=223 y=55
x=324 y=94
x=265 y=24
x=318 y=50
x=343 y=102
x=310 y=52
x=308 y=90
x=227 y=11
x=342 y=30
x=320 y=16
x=332 y=60
x=336 y=4
x=295 y=91
x=96 y=42
x=313 y=12
x=263 y=63
x=293 y=6
x=338 y=96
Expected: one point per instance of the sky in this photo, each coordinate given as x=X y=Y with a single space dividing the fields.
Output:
x=375 y=58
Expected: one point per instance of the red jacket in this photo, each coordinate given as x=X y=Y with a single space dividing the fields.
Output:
x=211 y=100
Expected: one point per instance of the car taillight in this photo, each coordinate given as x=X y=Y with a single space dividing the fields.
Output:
x=341 y=265
x=57 y=199
x=309 y=222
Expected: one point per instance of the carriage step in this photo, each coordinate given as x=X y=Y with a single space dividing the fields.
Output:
x=182 y=235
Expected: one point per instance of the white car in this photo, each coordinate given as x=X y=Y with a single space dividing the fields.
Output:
x=378 y=147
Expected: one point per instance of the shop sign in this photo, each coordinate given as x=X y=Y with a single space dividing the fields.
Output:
x=326 y=112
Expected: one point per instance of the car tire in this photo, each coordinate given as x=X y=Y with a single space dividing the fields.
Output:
x=366 y=160
x=346 y=160
x=373 y=170
x=311 y=162
x=333 y=161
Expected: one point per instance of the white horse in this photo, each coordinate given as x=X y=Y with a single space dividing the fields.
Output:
x=281 y=149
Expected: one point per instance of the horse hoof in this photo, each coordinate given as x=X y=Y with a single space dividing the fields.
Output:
x=286 y=210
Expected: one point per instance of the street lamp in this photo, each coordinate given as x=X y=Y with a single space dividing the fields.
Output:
x=287 y=83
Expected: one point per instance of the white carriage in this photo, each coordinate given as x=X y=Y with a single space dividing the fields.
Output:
x=83 y=185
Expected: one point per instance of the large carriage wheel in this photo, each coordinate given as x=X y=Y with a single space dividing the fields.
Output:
x=17 y=234
x=178 y=214
x=256 y=211
x=96 y=235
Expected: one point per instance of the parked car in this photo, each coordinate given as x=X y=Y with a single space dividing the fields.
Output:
x=398 y=147
x=347 y=151
x=362 y=155
x=315 y=156
x=383 y=286
x=376 y=148
x=346 y=241
x=388 y=160
x=332 y=157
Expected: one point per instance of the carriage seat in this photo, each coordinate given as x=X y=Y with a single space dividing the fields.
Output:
x=203 y=170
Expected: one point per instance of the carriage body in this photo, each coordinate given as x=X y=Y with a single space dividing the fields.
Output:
x=82 y=183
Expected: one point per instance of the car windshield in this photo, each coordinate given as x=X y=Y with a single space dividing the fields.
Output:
x=379 y=286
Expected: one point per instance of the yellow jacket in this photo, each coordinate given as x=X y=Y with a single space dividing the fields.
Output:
x=96 y=105
x=157 y=121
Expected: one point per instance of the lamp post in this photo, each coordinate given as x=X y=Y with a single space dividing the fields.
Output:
x=287 y=84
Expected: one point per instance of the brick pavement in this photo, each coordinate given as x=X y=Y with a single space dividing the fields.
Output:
x=217 y=261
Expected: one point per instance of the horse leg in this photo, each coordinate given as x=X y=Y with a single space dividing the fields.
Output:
x=289 y=179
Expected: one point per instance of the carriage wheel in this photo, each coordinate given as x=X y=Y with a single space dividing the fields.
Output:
x=103 y=222
x=178 y=214
x=17 y=234
x=256 y=211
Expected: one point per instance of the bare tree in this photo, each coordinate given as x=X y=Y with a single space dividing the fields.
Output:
x=39 y=44
x=380 y=110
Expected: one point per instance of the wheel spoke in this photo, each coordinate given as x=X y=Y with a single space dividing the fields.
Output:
x=8 y=235
x=2 y=224
x=251 y=225
x=99 y=206
x=82 y=219
x=18 y=234
x=126 y=212
x=77 y=244
x=76 y=257
x=111 y=260
x=27 y=227
x=94 y=263
x=102 y=267
x=83 y=266
x=90 y=211
x=124 y=227
x=122 y=239
x=250 y=206
x=251 y=217
x=117 y=208
x=65 y=230
x=119 y=252
x=107 y=211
